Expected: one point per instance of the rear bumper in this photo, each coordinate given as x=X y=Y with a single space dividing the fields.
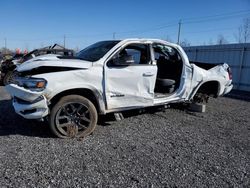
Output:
x=228 y=89
x=29 y=104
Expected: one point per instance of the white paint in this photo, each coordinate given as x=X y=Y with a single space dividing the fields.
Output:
x=52 y=60
x=115 y=89
x=31 y=97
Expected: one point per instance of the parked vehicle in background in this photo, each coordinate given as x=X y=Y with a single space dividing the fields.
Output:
x=1 y=56
x=111 y=76
x=9 y=65
x=4 y=58
x=1 y=60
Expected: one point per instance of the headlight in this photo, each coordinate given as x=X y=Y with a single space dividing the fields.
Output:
x=34 y=84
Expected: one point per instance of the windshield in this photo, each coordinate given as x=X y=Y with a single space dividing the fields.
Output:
x=96 y=51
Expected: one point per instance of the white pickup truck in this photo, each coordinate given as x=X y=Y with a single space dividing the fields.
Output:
x=111 y=76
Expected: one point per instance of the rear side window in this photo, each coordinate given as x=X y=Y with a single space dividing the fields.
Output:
x=165 y=52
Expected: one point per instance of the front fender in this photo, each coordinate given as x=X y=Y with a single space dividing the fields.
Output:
x=97 y=94
x=91 y=79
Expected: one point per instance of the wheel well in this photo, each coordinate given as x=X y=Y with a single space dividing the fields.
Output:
x=89 y=94
x=210 y=88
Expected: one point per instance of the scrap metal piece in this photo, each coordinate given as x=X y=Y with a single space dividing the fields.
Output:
x=195 y=107
x=118 y=116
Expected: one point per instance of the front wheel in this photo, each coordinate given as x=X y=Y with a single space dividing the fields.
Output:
x=73 y=116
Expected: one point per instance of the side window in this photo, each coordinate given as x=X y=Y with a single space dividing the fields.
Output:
x=166 y=53
x=133 y=54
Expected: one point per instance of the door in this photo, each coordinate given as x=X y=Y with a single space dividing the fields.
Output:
x=130 y=78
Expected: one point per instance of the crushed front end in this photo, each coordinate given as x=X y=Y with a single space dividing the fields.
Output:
x=28 y=97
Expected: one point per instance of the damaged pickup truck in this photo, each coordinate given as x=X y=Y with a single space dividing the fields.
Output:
x=111 y=76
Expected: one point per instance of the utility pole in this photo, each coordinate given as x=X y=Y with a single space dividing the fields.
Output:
x=64 y=40
x=179 y=33
x=114 y=35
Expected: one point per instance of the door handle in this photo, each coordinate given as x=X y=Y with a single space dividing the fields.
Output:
x=148 y=74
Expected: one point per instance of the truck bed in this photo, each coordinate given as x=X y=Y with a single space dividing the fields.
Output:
x=203 y=65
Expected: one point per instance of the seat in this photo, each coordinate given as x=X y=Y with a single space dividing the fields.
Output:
x=143 y=58
x=164 y=81
x=164 y=85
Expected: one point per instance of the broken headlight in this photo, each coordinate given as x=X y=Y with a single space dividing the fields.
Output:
x=34 y=84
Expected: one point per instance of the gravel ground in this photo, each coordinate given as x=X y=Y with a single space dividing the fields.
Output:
x=175 y=148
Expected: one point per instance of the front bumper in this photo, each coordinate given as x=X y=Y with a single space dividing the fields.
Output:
x=29 y=104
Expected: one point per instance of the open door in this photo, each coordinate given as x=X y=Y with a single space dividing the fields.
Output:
x=130 y=78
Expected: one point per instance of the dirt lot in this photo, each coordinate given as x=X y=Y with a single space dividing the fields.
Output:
x=172 y=149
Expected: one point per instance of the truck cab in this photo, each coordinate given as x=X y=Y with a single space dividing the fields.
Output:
x=145 y=73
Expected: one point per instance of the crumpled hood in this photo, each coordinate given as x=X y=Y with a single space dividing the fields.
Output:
x=53 y=60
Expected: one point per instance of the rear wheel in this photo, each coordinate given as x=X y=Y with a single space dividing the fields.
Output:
x=73 y=116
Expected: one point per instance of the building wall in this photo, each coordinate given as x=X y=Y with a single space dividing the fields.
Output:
x=236 y=55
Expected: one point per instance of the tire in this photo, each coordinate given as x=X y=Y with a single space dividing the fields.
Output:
x=8 y=78
x=73 y=116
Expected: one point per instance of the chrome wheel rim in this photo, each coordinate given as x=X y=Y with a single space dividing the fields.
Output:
x=73 y=119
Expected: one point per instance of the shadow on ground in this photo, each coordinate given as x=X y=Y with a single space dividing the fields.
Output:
x=13 y=124
x=106 y=120
x=240 y=95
